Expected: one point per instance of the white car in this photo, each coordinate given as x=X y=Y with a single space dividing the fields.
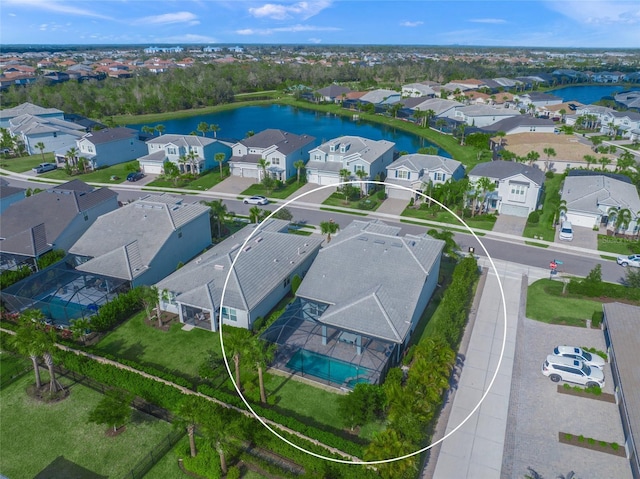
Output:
x=566 y=231
x=573 y=352
x=255 y=200
x=631 y=260
x=43 y=167
x=558 y=368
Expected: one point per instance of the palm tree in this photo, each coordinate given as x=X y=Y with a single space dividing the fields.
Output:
x=183 y=160
x=160 y=129
x=192 y=156
x=388 y=444
x=625 y=162
x=203 y=127
x=217 y=212
x=549 y=152
x=262 y=353
x=189 y=412
x=440 y=123
x=238 y=344
x=262 y=164
x=604 y=161
x=82 y=163
x=299 y=165
x=561 y=210
x=215 y=129
x=27 y=342
x=220 y=157
x=486 y=186
x=40 y=146
x=150 y=301
x=71 y=156
x=621 y=218
x=218 y=427
x=590 y=160
x=48 y=346
x=80 y=327
x=328 y=228
x=362 y=175
x=254 y=214
x=532 y=157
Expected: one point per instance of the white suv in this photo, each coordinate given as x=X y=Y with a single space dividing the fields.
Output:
x=572 y=370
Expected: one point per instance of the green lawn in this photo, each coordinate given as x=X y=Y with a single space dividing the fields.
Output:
x=612 y=244
x=167 y=467
x=25 y=163
x=370 y=203
x=283 y=192
x=545 y=303
x=203 y=182
x=483 y=222
x=35 y=434
x=102 y=175
x=11 y=366
x=544 y=229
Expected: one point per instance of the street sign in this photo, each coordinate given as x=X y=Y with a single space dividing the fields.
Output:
x=557 y=261
x=553 y=265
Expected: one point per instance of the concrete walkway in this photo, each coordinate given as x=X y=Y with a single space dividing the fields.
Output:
x=475 y=449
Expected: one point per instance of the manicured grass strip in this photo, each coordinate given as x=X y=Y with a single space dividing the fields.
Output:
x=426 y=225
x=546 y=303
x=611 y=244
x=203 y=182
x=333 y=210
x=544 y=228
x=281 y=193
x=64 y=425
x=25 y=163
x=533 y=243
x=483 y=222
x=365 y=204
x=103 y=175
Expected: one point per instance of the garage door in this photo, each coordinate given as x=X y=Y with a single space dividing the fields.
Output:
x=327 y=180
x=581 y=220
x=151 y=169
x=398 y=193
x=514 y=210
x=312 y=178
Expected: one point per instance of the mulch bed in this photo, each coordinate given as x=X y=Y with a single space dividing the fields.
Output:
x=45 y=396
x=606 y=397
x=167 y=319
x=111 y=433
x=574 y=440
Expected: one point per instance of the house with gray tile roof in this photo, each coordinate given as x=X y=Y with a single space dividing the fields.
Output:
x=53 y=133
x=443 y=108
x=518 y=186
x=417 y=90
x=268 y=258
x=52 y=219
x=28 y=109
x=144 y=241
x=172 y=148
x=621 y=335
x=521 y=124
x=360 y=301
x=591 y=198
x=381 y=97
x=482 y=115
x=280 y=149
x=333 y=93
x=352 y=153
x=9 y=195
x=418 y=171
x=110 y=146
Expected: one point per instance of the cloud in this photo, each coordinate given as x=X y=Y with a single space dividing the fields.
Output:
x=12 y=14
x=598 y=12
x=291 y=29
x=410 y=24
x=488 y=20
x=55 y=6
x=304 y=10
x=188 y=38
x=315 y=40
x=169 y=18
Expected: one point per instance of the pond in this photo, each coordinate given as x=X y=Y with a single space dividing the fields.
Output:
x=234 y=124
x=587 y=94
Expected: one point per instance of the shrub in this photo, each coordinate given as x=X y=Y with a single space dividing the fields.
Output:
x=614 y=446
x=591 y=440
x=549 y=174
x=411 y=201
x=381 y=195
x=9 y=277
x=295 y=283
x=596 y=319
x=581 y=438
x=534 y=218
x=117 y=310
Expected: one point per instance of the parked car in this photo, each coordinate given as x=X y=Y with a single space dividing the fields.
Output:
x=566 y=231
x=255 y=200
x=559 y=368
x=591 y=360
x=42 y=167
x=631 y=260
x=135 y=176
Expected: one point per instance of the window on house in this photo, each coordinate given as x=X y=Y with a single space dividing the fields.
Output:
x=229 y=314
x=358 y=168
x=287 y=282
x=438 y=176
x=317 y=157
x=179 y=233
x=55 y=134
x=172 y=151
x=402 y=174
x=86 y=216
x=517 y=192
x=275 y=161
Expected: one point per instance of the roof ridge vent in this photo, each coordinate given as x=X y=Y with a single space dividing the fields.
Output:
x=218 y=267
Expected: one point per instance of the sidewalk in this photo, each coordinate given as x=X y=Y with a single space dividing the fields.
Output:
x=475 y=449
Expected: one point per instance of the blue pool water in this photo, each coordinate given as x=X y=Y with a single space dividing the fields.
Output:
x=62 y=311
x=324 y=367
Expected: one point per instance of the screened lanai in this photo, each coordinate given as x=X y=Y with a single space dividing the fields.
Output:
x=62 y=293
x=338 y=357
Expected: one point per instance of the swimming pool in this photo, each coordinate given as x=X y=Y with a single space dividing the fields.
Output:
x=330 y=369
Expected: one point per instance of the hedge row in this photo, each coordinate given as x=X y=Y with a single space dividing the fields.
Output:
x=117 y=310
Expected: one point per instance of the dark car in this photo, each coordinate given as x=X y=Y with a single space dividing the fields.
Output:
x=135 y=176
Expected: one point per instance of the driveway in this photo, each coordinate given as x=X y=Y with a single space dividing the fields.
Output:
x=513 y=225
x=233 y=185
x=317 y=197
x=537 y=412
x=582 y=238
x=392 y=206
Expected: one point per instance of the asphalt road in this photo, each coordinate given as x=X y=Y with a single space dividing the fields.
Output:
x=579 y=265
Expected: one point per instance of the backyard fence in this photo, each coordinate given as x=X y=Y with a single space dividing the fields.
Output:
x=145 y=464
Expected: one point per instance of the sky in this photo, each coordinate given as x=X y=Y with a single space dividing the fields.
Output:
x=540 y=23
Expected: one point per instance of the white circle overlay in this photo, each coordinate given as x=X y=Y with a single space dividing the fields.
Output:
x=381 y=461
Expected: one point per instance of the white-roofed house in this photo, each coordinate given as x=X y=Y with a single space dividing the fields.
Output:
x=352 y=153
x=594 y=200
x=417 y=89
x=416 y=170
x=350 y=322
x=144 y=241
x=261 y=276
x=381 y=97
x=482 y=115
x=280 y=149
x=199 y=153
